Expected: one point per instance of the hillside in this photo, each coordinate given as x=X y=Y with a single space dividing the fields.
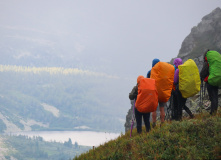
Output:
x=197 y=138
x=46 y=98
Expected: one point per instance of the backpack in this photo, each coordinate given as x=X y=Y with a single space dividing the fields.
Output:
x=163 y=73
x=214 y=60
x=189 y=79
x=147 y=98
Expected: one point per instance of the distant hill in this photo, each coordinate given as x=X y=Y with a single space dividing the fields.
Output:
x=34 y=47
x=197 y=138
x=33 y=98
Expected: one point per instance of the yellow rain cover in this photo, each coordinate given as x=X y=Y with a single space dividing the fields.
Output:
x=189 y=79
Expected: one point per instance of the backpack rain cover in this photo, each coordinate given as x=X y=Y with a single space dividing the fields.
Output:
x=214 y=60
x=163 y=73
x=189 y=79
x=147 y=98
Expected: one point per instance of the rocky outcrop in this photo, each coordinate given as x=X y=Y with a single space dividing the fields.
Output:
x=129 y=117
x=206 y=35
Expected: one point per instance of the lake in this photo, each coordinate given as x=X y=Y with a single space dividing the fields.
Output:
x=85 y=138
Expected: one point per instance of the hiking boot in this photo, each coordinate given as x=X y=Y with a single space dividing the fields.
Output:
x=192 y=116
x=154 y=124
x=213 y=113
x=161 y=124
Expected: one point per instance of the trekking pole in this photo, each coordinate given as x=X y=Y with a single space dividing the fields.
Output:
x=167 y=113
x=168 y=110
x=171 y=106
x=204 y=90
x=200 y=104
x=201 y=96
x=203 y=93
x=132 y=123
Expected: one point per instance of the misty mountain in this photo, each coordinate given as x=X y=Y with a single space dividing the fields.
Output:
x=34 y=98
x=206 y=35
x=92 y=100
x=31 y=47
x=42 y=48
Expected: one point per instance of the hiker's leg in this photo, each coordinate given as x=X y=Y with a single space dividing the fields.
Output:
x=154 y=118
x=188 y=111
x=174 y=107
x=138 y=117
x=180 y=105
x=146 y=118
x=213 y=96
x=162 y=112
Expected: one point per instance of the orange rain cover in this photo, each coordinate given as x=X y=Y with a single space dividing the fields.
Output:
x=163 y=73
x=147 y=98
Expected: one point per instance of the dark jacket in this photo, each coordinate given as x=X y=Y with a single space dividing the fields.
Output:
x=148 y=74
x=133 y=94
x=204 y=73
x=154 y=62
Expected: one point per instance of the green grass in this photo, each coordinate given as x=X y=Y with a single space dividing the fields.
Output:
x=198 y=138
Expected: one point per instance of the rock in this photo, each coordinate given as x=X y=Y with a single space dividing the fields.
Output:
x=206 y=35
x=129 y=118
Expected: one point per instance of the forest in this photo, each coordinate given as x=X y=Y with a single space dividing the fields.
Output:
x=80 y=98
x=24 y=147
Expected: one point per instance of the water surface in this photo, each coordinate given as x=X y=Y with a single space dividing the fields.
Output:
x=86 y=138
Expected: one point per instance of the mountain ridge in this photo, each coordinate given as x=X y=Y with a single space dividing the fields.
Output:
x=58 y=99
x=206 y=35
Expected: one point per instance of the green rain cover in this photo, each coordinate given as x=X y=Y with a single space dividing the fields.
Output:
x=214 y=60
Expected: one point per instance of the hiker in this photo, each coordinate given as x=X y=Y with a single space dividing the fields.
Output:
x=212 y=90
x=179 y=101
x=161 y=105
x=138 y=115
x=154 y=62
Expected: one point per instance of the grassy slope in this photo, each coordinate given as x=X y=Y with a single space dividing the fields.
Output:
x=198 y=138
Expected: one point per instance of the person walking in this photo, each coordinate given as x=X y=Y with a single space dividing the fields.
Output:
x=204 y=75
x=179 y=101
x=138 y=115
x=161 y=104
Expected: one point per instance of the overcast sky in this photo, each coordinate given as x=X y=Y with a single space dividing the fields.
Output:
x=125 y=35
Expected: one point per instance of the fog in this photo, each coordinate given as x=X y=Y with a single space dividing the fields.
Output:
x=116 y=37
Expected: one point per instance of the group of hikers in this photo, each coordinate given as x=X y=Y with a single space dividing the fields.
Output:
x=176 y=83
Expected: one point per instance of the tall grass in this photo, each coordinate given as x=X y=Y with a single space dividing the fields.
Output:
x=198 y=138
